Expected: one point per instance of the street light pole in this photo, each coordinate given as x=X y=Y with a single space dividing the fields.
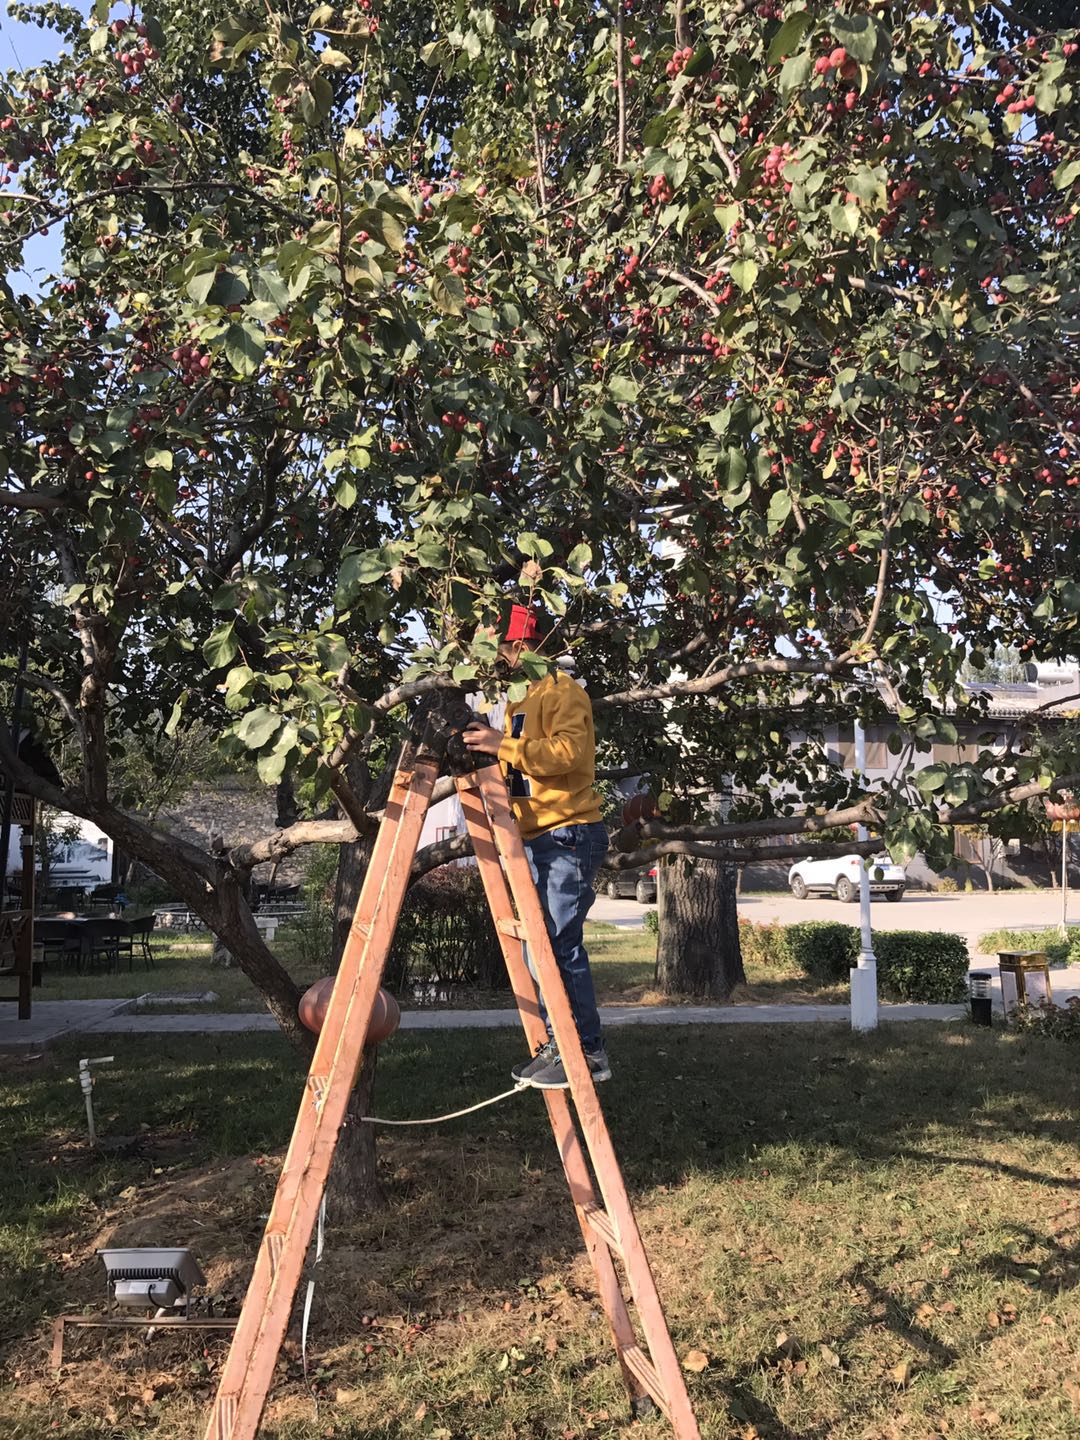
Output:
x=1064 y=879
x=864 y=996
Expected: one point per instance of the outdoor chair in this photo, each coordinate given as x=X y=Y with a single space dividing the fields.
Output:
x=136 y=934
x=59 y=941
x=102 y=939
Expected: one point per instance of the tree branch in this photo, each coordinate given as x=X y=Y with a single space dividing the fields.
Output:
x=43 y=500
x=864 y=813
x=706 y=684
x=739 y=855
x=620 y=85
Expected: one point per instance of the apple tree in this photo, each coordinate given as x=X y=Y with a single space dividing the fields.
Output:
x=741 y=336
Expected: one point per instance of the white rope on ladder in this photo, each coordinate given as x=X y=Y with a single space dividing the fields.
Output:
x=321 y=1236
x=454 y=1114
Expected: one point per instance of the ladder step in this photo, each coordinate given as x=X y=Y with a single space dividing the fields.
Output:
x=514 y=928
x=599 y=1222
x=643 y=1370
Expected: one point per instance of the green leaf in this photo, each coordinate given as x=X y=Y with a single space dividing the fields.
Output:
x=245 y=347
x=745 y=273
x=859 y=35
x=175 y=715
x=779 y=508
x=658 y=128
x=220 y=646
x=448 y=292
x=517 y=691
x=700 y=62
x=271 y=767
x=534 y=546
x=796 y=71
x=579 y=559
x=99 y=39
x=156 y=457
x=200 y=286
x=621 y=387
x=363 y=568
x=736 y=467
x=228 y=288
x=789 y=37
x=345 y=492
x=257 y=727
x=386 y=228
x=1066 y=174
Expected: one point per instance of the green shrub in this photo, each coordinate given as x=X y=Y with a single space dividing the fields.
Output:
x=1055 y=1022
x=1057 y=951
x=446 y=936
x=912 y=964
x=767 y=947
x=946 y=886
x=823 y=949
x=652 y=921
x=921 y=965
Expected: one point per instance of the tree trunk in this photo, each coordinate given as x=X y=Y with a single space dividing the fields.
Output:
x=353 y=1188
x=698 y=952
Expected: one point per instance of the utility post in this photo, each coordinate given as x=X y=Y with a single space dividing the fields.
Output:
x=864 y=997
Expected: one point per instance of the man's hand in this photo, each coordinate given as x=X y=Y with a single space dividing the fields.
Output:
x=482 y=737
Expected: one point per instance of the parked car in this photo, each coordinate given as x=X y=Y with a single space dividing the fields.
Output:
x=624 y=883
x=840 y=876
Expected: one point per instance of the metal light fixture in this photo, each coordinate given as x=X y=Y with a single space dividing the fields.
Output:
x=152 y=1279
x=163 y=1279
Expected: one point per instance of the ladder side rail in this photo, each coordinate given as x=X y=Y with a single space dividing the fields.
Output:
x=267 y=1308
x=568 y=1144
x=598 y=1142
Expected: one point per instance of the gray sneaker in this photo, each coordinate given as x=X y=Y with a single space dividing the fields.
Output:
x=552 y=1076
x=546 y=1055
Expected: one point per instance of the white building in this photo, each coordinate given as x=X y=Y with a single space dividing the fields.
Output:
x=85 y=860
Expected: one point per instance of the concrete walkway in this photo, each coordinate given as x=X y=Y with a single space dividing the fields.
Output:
x=54 y=1019
x=610 y=1015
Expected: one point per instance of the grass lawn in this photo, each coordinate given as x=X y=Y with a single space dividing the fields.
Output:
x=1048 y=939
x=868 y=1238
x=623 y=966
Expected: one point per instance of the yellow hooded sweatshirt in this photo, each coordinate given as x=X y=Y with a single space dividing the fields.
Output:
x=549 y=756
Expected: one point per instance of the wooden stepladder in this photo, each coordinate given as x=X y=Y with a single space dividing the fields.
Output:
x=651 y=1371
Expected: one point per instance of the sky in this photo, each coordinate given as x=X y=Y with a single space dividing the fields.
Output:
x=22 y=47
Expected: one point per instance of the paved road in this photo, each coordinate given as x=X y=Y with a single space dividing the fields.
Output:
x=967 y=915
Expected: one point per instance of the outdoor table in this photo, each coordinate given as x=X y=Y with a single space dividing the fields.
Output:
x=80 y=928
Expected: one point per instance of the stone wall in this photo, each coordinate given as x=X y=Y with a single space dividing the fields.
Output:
x=238 y=808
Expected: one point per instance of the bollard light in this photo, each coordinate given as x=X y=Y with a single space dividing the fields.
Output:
x=980 y=987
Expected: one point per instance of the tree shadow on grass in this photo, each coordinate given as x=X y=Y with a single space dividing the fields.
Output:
x=485 y=1202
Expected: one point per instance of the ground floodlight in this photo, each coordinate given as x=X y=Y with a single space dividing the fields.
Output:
x=155 y=1278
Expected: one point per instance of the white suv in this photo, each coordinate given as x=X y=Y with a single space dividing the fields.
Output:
x=840 y=875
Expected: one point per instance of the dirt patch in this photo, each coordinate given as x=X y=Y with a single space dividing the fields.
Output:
x=472 y=1241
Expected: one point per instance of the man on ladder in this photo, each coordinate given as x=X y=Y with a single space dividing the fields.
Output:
x=649 y=1364
x=548 y=753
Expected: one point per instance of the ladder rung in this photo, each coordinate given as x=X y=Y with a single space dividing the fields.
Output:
x=642 y=1368
x=514 y=928
x=599 y=1222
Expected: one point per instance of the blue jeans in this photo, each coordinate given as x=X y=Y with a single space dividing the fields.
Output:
x=564 y=864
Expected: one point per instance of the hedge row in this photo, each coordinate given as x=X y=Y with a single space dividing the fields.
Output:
x=920 y=965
